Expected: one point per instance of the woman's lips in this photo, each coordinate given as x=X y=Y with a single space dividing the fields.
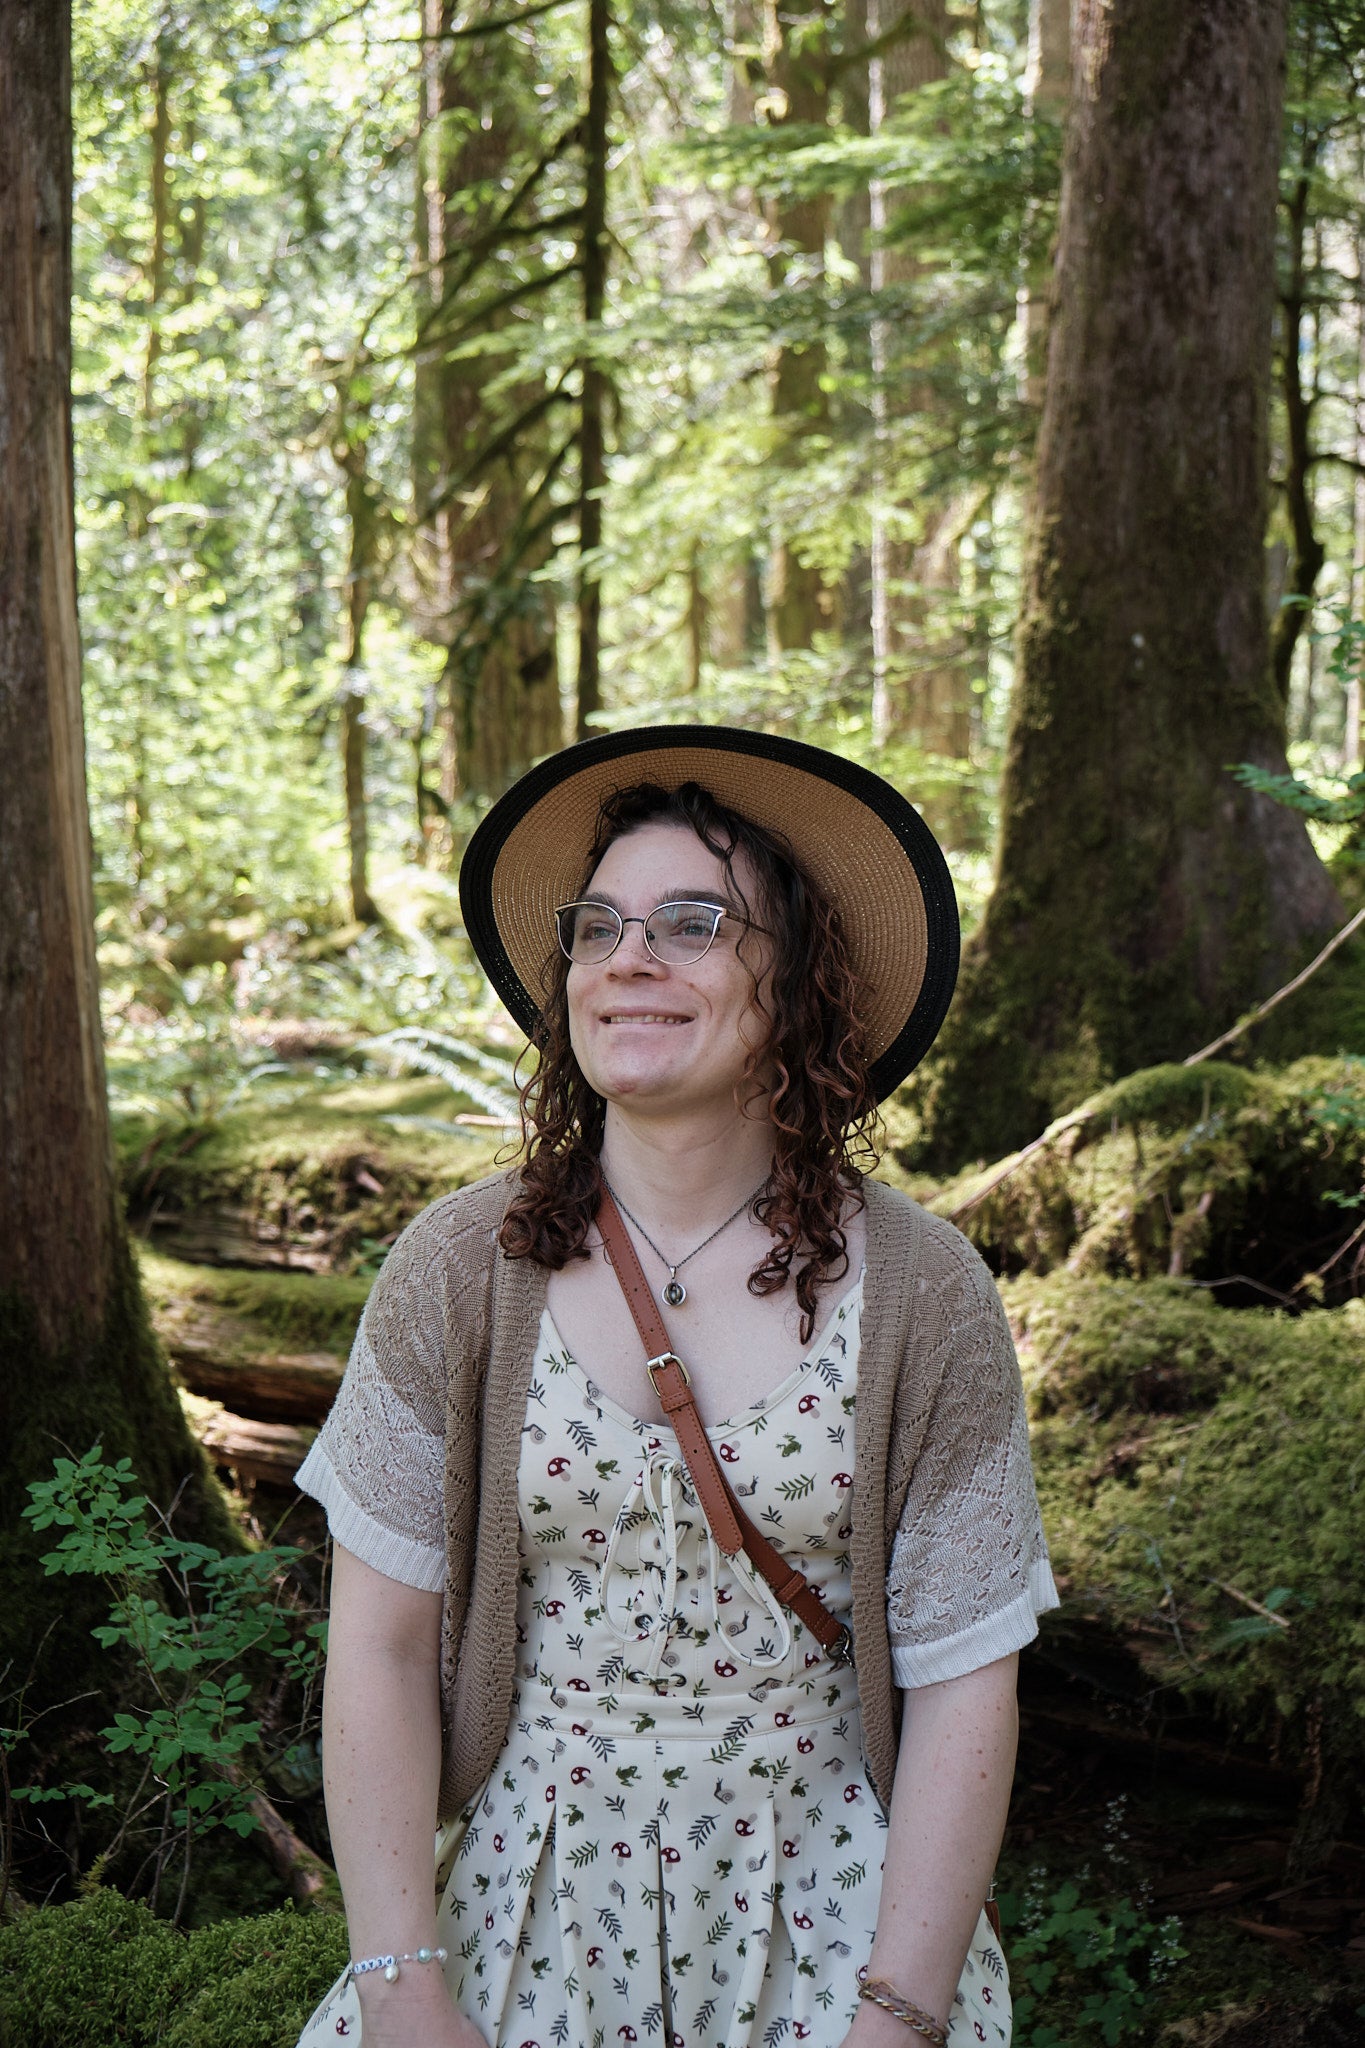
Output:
x=643 y=1017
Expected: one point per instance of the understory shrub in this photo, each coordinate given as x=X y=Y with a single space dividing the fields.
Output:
x=1082 y=1969
x=104 y=1972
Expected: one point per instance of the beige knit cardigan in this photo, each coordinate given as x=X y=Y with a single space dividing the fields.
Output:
x=936 y=1375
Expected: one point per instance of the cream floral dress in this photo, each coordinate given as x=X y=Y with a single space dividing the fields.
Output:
x=680 y=1844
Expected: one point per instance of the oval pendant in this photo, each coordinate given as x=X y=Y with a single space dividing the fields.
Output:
x=675 y=1294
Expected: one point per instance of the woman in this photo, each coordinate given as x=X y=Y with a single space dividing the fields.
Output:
x=674 y=1809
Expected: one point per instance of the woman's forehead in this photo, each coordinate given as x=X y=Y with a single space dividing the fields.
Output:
x=667 y=860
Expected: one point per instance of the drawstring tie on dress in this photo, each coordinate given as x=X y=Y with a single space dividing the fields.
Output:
x=660 y=1491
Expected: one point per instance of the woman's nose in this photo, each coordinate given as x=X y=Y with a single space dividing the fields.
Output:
x=632 y=954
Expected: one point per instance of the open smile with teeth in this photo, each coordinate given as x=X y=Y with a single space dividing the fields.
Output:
x=643 y=1017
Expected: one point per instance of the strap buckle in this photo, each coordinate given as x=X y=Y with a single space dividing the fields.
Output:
x=840 y=1651
x=654 y=1366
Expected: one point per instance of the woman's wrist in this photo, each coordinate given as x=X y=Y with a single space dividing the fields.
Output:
x=910 y=2021
x=418 y=1987
x=873 y=2028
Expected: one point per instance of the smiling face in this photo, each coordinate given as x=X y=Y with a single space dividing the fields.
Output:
x=660 y=1038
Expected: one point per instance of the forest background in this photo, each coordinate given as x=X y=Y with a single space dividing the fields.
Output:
x=974 y=387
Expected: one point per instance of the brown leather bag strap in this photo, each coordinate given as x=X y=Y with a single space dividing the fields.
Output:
x=729 y=1524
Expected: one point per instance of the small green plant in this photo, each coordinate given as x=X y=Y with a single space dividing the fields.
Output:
x=1082 y=1973
x=189 y=1618
x=466 y=1069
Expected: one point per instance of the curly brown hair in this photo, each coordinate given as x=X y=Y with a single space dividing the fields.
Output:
x=812 y=1067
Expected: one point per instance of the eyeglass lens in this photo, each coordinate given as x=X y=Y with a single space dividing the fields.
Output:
x=675 y=932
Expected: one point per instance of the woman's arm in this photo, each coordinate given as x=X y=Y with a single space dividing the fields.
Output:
x=953 y=1778
x=381 y=1758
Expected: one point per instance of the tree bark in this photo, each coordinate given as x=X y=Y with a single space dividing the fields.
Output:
x=921 y=674
x=500 y=706
x=1307 y=553
x=801 y=603
x=350 y=450
x=592 y=473
x=1142 y=895
x=77 y=1359
x=1047 y=90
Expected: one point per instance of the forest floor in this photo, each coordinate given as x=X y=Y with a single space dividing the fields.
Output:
x=1183 y=1274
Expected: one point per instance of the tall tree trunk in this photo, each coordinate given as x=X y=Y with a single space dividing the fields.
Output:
x=159 y=138
x=77 y=1360
x=797 y=43
x=500 y=691
x=921 y=674
x=1307 y=553
x=1047 y=89
x=1142 y=896
x=350 y=448
x=854 y=229
x=592 y=473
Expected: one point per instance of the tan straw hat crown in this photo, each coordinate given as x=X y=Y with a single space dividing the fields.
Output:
x=859 y=839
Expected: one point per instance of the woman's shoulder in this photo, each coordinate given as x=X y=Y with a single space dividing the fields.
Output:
x=948 y=1264
x=446 y=1247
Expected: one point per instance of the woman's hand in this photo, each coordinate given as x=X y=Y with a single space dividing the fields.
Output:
x=416 y=2012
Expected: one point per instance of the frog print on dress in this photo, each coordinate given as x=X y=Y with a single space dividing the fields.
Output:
x=680 y=1844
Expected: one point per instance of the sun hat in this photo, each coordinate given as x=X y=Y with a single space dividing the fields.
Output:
x=860 y=840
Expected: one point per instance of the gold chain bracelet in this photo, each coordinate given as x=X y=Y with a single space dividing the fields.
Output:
x=889 y=1999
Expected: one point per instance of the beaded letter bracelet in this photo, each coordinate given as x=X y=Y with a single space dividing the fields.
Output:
x=390 y=1965
x=889 y=1999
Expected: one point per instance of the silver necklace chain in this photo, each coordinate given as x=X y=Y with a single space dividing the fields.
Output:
x=673 y=1294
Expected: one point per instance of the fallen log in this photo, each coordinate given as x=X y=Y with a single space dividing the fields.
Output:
x=287 y=1386
x=263 y=1453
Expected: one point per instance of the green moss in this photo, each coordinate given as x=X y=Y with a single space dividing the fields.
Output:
x=1197 y=1467
x=102 y=1971
x=325 y=1170
x=278 y=1311
x=1211 y=1172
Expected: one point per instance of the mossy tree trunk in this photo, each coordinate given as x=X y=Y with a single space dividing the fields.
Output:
x=1142 y=897
x=77 y=1360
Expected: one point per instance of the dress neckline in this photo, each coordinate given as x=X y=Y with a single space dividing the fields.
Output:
x=750 y=1416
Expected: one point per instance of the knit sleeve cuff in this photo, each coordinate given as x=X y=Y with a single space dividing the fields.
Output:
x=994 y=1636
x=420 y=1565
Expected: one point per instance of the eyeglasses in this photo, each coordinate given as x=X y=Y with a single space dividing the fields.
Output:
x=676 y=933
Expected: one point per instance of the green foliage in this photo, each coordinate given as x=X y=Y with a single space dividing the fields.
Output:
x=104 y=1970
x=192 y=1622
x=1314 y=800
x=1082 y=1971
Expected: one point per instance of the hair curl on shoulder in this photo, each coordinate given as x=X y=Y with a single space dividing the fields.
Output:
x=811 y=1069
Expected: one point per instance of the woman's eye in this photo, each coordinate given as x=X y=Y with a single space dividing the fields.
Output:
x=690 y=924
x=595 y=929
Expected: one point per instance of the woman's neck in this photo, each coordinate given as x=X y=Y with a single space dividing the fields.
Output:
x=684 y=1173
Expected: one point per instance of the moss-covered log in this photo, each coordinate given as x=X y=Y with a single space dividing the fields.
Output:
x=1143 y=899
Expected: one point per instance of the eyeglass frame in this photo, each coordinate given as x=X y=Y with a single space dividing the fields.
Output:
x=718 y=911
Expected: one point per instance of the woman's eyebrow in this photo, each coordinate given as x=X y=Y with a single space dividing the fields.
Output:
x=681 y=895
